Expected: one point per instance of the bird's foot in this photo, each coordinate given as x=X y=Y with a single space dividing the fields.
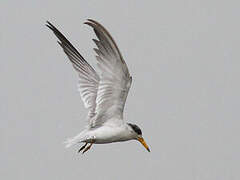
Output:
x=82 y=147
x=87 y=148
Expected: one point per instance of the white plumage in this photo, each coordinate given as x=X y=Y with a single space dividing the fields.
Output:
x=104 y=95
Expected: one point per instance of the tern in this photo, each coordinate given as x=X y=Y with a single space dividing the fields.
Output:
x=103 y=94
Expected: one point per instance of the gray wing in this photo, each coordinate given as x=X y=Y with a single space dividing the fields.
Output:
x=88 y=78
x=115 y=79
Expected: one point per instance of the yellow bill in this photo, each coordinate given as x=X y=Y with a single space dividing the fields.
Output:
x=141 y=140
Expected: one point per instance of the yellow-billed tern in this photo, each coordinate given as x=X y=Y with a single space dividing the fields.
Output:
x=104 y=95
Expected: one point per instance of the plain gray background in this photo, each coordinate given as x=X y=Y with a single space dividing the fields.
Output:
x=184 y=59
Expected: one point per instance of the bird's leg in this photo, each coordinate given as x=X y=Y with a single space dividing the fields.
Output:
x=87 y=148
x=82 y=147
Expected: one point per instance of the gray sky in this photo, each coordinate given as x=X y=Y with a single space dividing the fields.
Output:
x=184 y=59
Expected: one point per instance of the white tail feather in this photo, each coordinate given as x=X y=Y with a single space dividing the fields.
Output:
x=72 y=141
x=69 y=142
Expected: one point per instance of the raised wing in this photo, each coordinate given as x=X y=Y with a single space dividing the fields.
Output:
x=115 y=79
x=88 y=78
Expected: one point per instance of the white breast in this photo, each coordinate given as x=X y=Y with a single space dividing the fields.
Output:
x=108 y=134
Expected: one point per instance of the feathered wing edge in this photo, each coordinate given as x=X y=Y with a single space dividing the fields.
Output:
x=88 y=78
x=115 y=79
x=106 y=44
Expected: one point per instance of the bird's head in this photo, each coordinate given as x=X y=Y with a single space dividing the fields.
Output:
x=137 y=134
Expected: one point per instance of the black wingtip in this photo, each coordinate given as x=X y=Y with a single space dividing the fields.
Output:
x=91 y=22
x=50 y=25
x=88 y=23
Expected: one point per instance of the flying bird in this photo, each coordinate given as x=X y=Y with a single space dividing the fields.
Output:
x=103 y=94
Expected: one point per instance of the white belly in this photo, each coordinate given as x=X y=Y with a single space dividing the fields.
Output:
x=107 y=134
